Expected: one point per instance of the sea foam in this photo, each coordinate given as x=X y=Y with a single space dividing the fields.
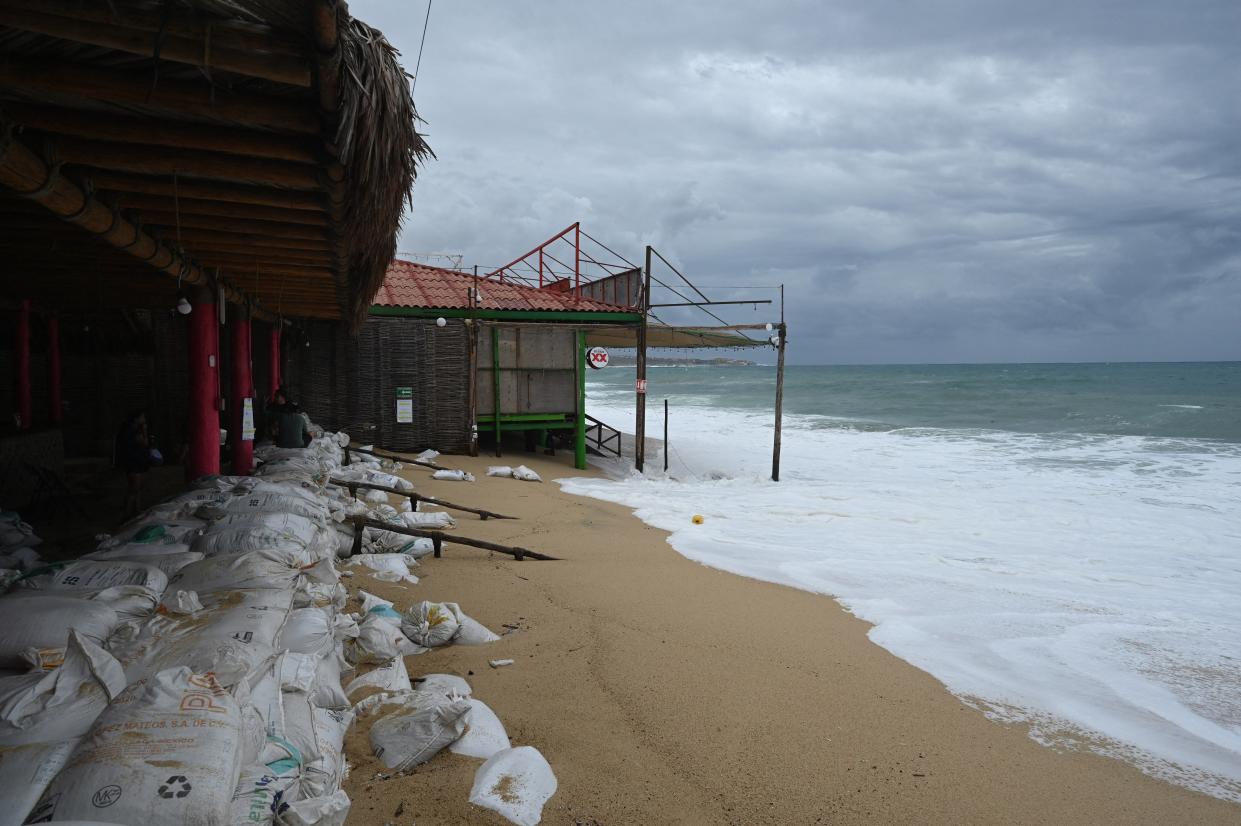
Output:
x=1087 y=585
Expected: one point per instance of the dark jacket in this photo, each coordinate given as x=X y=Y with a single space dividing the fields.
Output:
x=290 y=426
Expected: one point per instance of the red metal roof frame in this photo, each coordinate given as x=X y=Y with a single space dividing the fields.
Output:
x=542 y=268
x=408 y=284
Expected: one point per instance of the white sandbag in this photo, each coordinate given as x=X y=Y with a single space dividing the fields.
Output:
x=165 y=751
x=443 y=684
x=327 y=691
x=525 y=474
x=262 y=789
x=21 y=558
x=309 y=631
x=514 y=783
x=502 y=471
x=43 y=622
x=263 y=502
x=180 y=603
x=431 y=624
x=323 y=775
x=89 y=576
x=428 y=455
x=439 y=623
x=484 y=734
x=253 y=532
x=25 y=772
x=60 y=704
x=181 y=506
x=375 y=497
x=320 y=595
x=169 y=563
x=332 y=810
x=377 y=642
x=397 y=565
x=416 y=729
x=234 y=634
x=428 y=520
x=389 y=676
x=236 y=572
x=299 y=725
x=151 y=531
x=453 y=476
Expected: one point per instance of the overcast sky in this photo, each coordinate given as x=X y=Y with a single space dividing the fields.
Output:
x=998 y=180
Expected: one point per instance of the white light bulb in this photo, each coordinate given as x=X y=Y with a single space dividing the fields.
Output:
x=440 y=322
x=184 y=307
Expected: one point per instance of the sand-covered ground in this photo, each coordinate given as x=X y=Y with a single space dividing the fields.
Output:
x=662 y=691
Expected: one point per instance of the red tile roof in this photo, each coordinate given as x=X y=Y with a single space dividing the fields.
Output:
x=416 y=285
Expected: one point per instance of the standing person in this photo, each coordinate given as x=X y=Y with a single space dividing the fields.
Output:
x=133 y=455
x=290 y=423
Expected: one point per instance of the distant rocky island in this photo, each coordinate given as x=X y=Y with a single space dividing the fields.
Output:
x=627 y=361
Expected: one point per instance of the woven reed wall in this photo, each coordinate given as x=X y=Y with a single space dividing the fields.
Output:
x=349 y=383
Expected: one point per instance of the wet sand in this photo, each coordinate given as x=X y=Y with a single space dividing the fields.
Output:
x=662 y=691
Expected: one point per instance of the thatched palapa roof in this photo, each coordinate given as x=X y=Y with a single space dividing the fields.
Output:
x=267 y=145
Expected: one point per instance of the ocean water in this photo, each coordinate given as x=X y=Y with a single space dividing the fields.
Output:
x=1060 y=545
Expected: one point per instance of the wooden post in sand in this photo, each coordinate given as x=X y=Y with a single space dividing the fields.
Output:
x=639 y=427
x=775 y=454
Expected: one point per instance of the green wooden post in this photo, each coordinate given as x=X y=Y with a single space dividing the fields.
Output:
x=495 y=381
x=579 y=429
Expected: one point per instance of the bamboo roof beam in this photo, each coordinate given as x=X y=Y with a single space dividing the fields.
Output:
x=209 y=54
x=24 y=172
x=134 y=88
x=155 y=160
x=148 y=132
x=205 y=240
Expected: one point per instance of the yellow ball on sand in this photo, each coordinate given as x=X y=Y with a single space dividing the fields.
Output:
x=697 y=520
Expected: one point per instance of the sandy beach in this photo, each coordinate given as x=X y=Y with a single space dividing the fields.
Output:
x=663 y=691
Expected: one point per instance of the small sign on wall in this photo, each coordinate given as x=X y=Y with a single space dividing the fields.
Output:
x=247 y=420
x=404 y=405
x=597 y=358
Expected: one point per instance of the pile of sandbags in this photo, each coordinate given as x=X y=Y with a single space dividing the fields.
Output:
x=187 y=670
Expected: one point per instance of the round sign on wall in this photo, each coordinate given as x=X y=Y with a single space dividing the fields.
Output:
x=597 y=357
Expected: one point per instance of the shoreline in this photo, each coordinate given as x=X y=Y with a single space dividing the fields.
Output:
x=664 y=691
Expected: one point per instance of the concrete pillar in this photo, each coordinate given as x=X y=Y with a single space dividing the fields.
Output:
x=25 y=403
x=204 y=384
x=243 y=392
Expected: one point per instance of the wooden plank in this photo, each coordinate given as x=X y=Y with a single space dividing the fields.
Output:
x=195 y=206
x=186 y=163
x=150 y=132
x=268 y=229
x=135 y=89
x=237 y=34
x=209 y=54
x=439 y=536
x=415 y=498
x=209 y=191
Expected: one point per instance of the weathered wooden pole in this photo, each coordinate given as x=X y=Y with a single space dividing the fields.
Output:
x=579 y=421
x=665 y=435
x=25 y=402
x=243 y=392
x=53 y=370
x=495 y=382
x=204 y=409
x=639 y=427
x=775 y=453
x=273 y=363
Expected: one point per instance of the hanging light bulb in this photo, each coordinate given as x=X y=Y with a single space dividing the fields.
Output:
x=441 y=321
x=183 y=306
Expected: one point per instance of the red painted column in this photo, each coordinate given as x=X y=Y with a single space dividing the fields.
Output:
x=53 y=368
x=275 y=361
x=204 y=408
x=243 y=391
x=25 y=403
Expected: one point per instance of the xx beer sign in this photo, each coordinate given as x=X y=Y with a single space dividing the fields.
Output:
x=597 y=358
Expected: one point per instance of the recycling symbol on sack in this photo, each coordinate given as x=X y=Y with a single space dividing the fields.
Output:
x=175 y=786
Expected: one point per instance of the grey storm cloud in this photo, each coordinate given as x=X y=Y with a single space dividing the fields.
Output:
x=933 y=181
